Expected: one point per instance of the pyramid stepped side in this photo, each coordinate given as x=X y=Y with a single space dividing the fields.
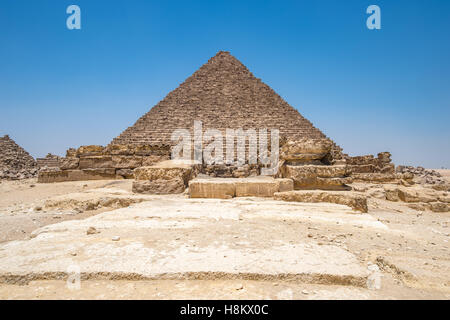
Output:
x=222 y=94
x=15 y=162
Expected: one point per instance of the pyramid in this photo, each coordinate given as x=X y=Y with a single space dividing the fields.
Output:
x=15 y=162
x=222 y=94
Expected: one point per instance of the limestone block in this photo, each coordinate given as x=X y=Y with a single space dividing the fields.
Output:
x=88 y=151
x=285 y=184
x=211 y=188
x=391 y=193
x=256 y=188
x=365 y=168
x=159 y=186
x=126 y=162
x=349 y=198
x=94 y=162
x=305 y=149
x=71 y=153
x=76 y=175
x=120 y=149
x=374 y=177
x=153 y=159
x=417 y=194
x=69 y=163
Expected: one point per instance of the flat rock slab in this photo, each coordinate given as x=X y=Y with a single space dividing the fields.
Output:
x=178 y=238
x=226 y=188
x=352 y=199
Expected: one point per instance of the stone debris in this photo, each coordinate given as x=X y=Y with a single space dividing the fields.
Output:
x=422 y=175
x=15 y=162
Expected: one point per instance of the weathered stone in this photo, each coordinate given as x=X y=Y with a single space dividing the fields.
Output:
x=391 y=193
x=126 y=162
x=151 y=160
x=125 y=173
x=317 y=176
x=94 y=162
x=120 y=149
x=285 y=184
x=416 y=194
x=71 y=153
x=88 y=151
x=76 y=175
x=159 y=186
x=15 y=162
x=365 y=168
x=439 y=207
x=374 y=177
x=349 y=198
x=305 y=149
x=222 y=188
x=168 y=170
x=256 y=187
x=69 y=163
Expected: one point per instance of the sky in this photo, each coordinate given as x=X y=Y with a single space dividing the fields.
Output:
x=368 y=90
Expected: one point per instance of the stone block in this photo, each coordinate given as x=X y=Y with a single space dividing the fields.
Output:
x=285 y=184
x=126 y=162
x=168 y=170
x=95 y=162
x=211 y=188
x=256 y=187
x=349 y=198
x=305 y=149
x=88 y=151
x=374 y=177
x=76 y=175
x=160 y=186
x=69 y=163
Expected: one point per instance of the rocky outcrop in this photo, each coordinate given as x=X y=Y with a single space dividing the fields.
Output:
x=15 y=162
x=352 y=199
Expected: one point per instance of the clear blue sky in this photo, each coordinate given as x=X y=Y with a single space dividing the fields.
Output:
x=370 y=91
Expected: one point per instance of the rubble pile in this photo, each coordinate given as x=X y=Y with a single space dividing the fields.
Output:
x=15 y=162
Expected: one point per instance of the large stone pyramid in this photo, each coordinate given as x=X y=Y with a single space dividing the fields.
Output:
x=222 y=94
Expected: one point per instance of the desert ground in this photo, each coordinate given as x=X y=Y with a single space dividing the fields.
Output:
x=128 y=246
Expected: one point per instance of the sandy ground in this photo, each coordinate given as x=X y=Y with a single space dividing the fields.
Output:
x=171 y=247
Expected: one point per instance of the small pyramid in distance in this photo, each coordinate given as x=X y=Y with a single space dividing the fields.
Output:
x=222 y=94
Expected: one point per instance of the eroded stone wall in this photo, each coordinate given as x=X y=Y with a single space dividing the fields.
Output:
x=99 y=163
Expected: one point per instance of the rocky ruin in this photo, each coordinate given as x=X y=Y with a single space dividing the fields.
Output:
x=15 y=162
x=223 y=94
